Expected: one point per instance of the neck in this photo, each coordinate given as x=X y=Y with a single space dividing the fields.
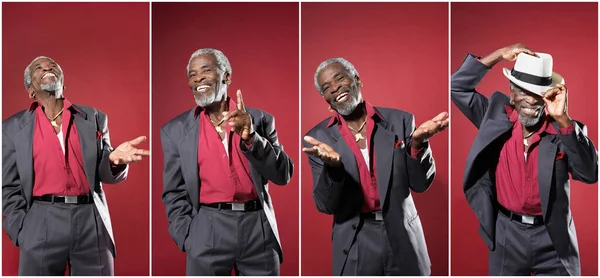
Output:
x=50 y=104
x=357 y=116
x=215 y=110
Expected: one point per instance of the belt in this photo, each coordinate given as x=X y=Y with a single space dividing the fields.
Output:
x=81 y=199
x=525 y=219
x=247 y=206
x=377 y=215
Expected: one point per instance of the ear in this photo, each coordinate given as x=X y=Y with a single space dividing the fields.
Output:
x=227 y=79
x=358 y=81
x=31 y=92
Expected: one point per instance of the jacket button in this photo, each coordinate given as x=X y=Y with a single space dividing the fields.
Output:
x=353 y=226
x=345 y=252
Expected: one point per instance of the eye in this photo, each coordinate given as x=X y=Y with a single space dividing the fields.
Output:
x=339 y=78
x=207 y=70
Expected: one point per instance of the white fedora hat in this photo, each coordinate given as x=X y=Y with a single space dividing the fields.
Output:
x=534 y=74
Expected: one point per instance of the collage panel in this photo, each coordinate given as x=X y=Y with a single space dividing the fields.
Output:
x=68 y=77
x=217 y=178
x=524 y=170
x=365 y=174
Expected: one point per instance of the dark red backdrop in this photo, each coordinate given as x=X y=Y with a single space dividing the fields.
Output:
x=569 y=32
x=401 y=53
x=261 y=42
x=106 y=66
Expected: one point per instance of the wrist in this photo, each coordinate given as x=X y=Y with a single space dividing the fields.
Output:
x=564 y=121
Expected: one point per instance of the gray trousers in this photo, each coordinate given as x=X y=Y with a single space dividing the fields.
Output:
x=54 y=235
x=523 y=249
x=370 y=253
x=222 y=240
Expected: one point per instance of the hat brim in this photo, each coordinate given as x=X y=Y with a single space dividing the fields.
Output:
x=556 y=79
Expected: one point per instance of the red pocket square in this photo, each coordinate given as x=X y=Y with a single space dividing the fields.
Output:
x=560 y=155
x=398 y=144
x=99 y=134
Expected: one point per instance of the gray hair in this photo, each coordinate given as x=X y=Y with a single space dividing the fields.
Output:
x=347 y=65
x=222 y=61
x=27 y=74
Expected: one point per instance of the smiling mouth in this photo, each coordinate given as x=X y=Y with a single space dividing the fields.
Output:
x=48 y=74
x=531 y=111
x=202 y=88
x=342 y=97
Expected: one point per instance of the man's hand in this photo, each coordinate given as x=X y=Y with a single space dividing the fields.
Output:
x=429 y=128
x=322 y=151
x=556 y=105
x=240 y=120
x=127 y=152
x=508 y=53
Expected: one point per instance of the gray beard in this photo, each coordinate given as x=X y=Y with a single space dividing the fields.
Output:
x=530 y=122
x=55 y=87
x=345 y=111
x=206 y=101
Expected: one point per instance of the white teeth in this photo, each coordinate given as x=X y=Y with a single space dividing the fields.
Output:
x=202 y=88
x=47 y=74
x=341 y=97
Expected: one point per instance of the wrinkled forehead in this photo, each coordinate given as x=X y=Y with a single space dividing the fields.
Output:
x=41 y=61
x=331 y=71
x=202 y=60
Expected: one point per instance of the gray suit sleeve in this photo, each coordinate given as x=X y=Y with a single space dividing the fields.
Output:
x=107 y=173
x=328 y=183
x=267 y=155
x=462 y=89
x=14 y=204
x=174 y=196
x=421 y=170
x=581 y=154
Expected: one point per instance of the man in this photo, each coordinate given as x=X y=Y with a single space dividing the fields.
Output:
x=517 y=174
x=364 y=162
x=218 y=159
x=55 y=157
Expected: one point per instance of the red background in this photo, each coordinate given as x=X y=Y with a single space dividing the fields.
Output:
x=401 y=53
x=568 y=31
x=106 y=66
x=261 y=42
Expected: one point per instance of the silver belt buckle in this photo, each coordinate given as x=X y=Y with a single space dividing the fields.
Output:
x=528 y=219
x=70 y=199
x=238 y=207
x=378 y=215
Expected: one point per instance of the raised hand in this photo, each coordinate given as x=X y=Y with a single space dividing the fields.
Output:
x=322 y=151
x=556 y=105
x=239 y=120
x=429 y=128
x=127 y=152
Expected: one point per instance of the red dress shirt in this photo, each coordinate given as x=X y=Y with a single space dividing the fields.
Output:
x=516 y=177
x=368 y=179
x=223 y=178
x=56 y=172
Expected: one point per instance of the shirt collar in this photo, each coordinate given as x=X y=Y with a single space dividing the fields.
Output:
x=372 y=112
x=66 y=105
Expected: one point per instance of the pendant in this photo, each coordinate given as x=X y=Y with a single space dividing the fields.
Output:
x=54 y=124
x=358 y=136
x=219 y=129
x=525 y=142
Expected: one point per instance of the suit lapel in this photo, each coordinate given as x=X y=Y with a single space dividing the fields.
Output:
x=383 y=142
x=341 y=147
x=89 y=149
x=24 y=146
x=546 y=157
x=189 y=157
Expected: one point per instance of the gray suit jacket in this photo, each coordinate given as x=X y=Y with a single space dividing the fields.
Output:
x=181 y=192
x=397 y=173
x=17 y=164
x=489 y=116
